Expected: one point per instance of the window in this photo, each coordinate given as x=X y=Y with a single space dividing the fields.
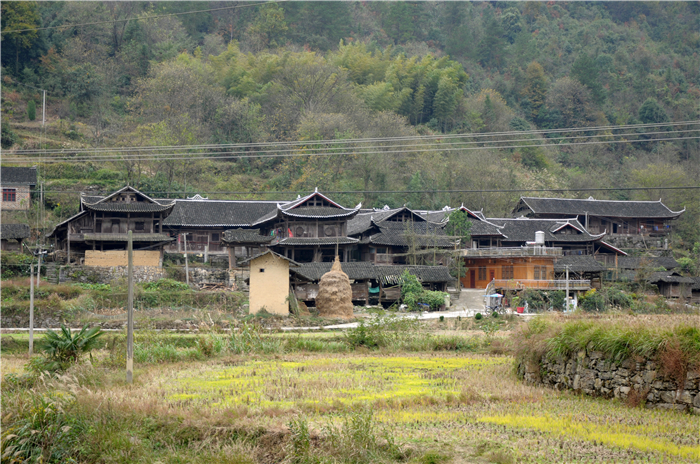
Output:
x=482 y=273
x=262 y=269
x=139 y=225
x=214 y=237
x=537 y=273
x=9 y=194
x=507 y=272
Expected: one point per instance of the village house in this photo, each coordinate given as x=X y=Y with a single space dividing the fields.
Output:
x=16 y=184
x=205 y=221
x=603 y=216
x=100 y=228
x=309 y=229
x=398 y=236
x=12 y=235
x=526 y=254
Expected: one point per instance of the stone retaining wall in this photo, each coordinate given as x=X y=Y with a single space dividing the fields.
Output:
x=109 y=275
x=591 y=373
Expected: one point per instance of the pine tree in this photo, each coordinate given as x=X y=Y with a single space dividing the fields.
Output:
x=535 y=90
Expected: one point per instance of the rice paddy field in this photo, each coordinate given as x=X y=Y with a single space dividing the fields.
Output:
x=363 y=406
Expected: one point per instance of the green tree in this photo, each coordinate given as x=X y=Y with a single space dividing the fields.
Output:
x=445 y=101
x=651 y=112
x=269 y=27
x=492 y=46
x=585 y=70
x=510 y=21
x=15 y=17
x=398 y=21
x=535 y=90
x=31 y=110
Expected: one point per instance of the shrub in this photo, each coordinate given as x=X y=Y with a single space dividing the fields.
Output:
x=415 y=296
x=31 y=110
x=63 y=349
x=478 y=316
x=165 y=284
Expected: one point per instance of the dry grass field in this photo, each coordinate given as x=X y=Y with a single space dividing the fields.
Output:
x=353 y=407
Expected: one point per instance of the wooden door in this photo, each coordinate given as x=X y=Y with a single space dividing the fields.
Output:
x=472 y=278
x=492 y=275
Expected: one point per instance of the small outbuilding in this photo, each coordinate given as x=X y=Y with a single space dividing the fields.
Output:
x=269 y=283
x=11 y=236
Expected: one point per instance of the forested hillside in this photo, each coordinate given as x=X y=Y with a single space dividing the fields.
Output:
x=136 y=74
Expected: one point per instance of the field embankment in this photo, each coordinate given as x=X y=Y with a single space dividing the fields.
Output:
x=642 y=359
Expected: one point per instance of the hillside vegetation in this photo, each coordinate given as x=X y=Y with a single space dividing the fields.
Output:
x=348 y=70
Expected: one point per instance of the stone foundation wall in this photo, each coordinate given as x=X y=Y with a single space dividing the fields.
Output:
x=109 y=275
x=636 y=242
x=591 y=373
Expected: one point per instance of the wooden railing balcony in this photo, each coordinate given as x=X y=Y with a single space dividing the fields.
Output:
x=514 y=284
x=492 y=252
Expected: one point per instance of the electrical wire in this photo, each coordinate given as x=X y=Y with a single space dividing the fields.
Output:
x=438 y=137
x=112 y=21
x=189 y=157
x=296 y=192
x=357 y=150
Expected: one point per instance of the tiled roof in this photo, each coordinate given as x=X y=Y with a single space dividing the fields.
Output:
x=318 y=212
x=97 y=203
x=670 y=277
x=606 y=208
x=636 y=262
x=17 y=176
x=355 y=271
x=585 y=263
x=234 y=236
x=297 y=208
x=523 y=230
x=365 y=270
x=427 y=274
x=218 y=213
x=269 y=252
x=123 y=237
x=398 y=233
x=135 y=207
x=14 y=231
x=316 y=241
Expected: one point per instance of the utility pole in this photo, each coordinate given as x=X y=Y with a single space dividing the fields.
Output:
x=566 y=300
x=130 y=310
x=43 y=110
x=31 y=309
x=38 y=269
x=187 y=266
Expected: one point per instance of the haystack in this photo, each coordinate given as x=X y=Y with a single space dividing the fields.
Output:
x=334 y=297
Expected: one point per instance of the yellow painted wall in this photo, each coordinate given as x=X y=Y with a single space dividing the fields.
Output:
x=118 y=258
x=269 y=289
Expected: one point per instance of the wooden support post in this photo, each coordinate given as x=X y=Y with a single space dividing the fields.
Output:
x=38 y=270
x=130 y=310
x=68 y=247
x=31 y=309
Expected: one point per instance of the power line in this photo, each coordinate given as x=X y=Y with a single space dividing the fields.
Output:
x=438 y=137
x=111 y=21
x=189 y=157
x=358 y=150
x=290 y=192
